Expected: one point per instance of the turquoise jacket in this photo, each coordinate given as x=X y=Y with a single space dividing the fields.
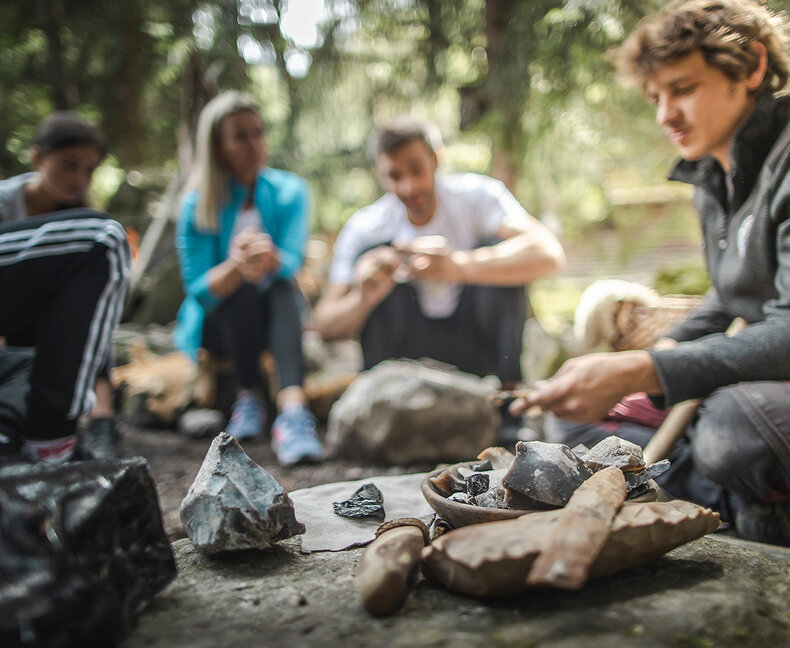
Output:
x=283 y=200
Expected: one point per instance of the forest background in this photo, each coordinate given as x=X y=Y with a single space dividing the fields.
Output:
x=519 y=89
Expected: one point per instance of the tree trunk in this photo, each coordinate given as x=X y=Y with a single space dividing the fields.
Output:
x=50 y=14
x=502 y=98
x=275 y=37
x=131 y=85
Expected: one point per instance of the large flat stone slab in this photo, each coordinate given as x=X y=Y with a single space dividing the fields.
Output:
x=708 y=592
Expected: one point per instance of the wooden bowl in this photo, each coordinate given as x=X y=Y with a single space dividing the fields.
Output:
x=458 y=514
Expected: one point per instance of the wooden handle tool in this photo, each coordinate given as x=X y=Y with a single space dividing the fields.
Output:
x=671 y=429
x=505 y=397
x=385 y=565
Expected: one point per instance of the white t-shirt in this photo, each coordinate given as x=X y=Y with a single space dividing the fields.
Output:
x=470 y=209
x=12 y=197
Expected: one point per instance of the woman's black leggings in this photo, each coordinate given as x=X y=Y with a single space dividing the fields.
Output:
x=255 y=318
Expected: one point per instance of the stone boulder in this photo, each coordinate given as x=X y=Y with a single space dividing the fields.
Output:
x=404 y=412
x=706 y=593
x=235 y=504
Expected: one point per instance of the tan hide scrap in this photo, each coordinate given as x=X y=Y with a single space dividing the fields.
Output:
x=645 y=531
x=488 y=559
x=494 y=559
x=581 y=532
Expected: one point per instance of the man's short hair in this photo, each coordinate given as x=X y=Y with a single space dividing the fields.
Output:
x=398 y=132
x=721 y=30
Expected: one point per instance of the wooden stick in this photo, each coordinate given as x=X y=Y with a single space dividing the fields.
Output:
x=501 y=397
x=671 y=430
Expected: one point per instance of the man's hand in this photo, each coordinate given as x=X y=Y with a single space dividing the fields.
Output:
x=587 y=387
x=255 y=254
x=373 y=273
x=431 y=257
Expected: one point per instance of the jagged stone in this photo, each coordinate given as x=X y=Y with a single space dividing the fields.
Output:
x=82 y=551
x=402 y=412
x=235 y=504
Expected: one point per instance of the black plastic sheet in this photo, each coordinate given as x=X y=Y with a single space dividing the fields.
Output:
x=82 y=552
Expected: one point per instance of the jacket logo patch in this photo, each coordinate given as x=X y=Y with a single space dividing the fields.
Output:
x=742 y=237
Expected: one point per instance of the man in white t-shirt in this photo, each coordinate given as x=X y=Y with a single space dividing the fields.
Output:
x=437 y=266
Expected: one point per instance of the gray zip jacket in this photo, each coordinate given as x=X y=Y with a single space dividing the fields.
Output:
x=12 y=199
x=745 y=217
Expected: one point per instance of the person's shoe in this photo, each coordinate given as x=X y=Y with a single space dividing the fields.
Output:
x=764 y=522
x=294 y=437
x=99 y=440
x=53 y=451
x=247 y=417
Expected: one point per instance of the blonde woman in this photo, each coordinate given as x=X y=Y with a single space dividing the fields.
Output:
x=240 y=235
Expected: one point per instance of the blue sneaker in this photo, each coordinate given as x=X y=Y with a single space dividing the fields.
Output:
x=247 y=417
x=294 y=437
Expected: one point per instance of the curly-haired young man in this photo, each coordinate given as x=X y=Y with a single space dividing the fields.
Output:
x=713 y=69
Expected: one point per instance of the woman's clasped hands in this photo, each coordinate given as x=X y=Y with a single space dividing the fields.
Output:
x=255 y=254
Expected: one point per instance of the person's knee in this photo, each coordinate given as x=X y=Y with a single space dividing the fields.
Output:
x=497 y=306
x=282 y=291
x=246 y=294
x=116 y=239
x=397 y=309
x=506 y=295
x=716 y=448
x=109 y=254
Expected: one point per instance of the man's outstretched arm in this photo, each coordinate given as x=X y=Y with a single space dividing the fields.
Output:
x=528 y=250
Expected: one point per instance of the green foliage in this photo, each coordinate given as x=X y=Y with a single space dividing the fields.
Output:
x=687 y=279
x=554 y=301
x=546 y=113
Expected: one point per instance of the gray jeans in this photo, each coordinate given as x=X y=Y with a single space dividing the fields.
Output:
x=737 y=448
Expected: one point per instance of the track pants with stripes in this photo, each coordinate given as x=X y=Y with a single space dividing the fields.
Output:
x=63 y=281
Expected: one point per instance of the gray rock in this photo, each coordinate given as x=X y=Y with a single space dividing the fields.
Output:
x=402 y=412
x=705 y=593
x=235 y=504
x=548 y=473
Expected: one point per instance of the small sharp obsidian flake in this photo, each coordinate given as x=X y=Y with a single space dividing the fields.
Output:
x=367 y=501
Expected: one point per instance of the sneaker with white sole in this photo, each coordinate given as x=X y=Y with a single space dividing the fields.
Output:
x=294 y=438
x=247 y=417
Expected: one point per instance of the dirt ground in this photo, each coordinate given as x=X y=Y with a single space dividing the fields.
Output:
x=175 y=460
